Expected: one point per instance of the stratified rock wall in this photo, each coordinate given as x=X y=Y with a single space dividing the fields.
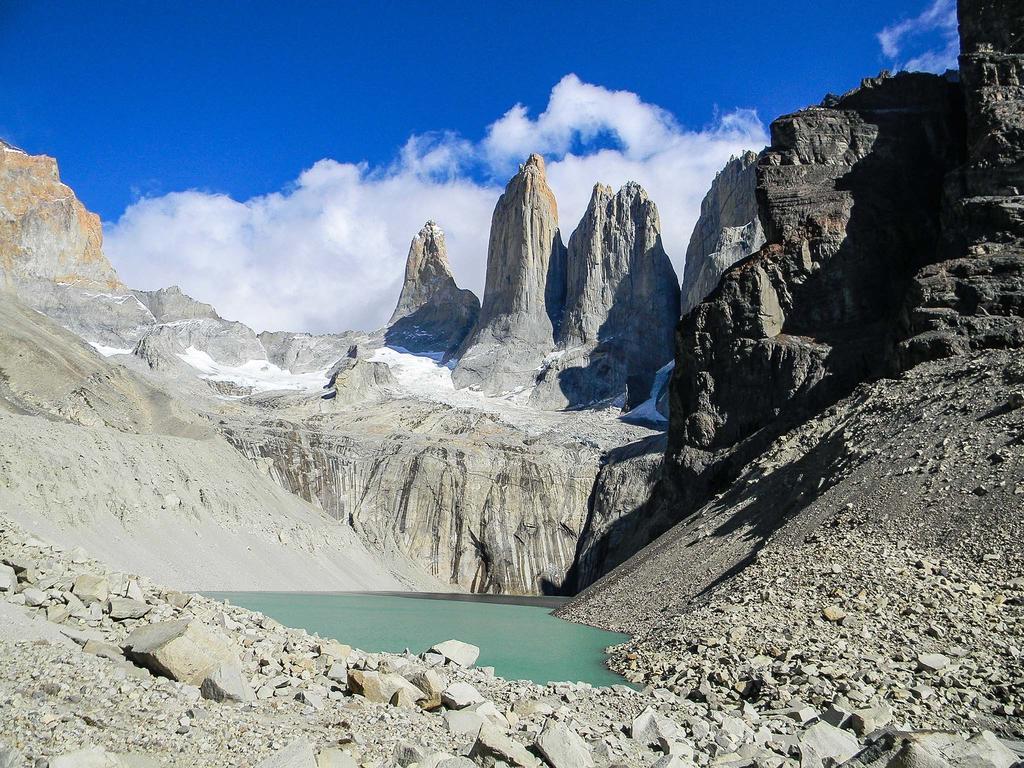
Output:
x=472 y=502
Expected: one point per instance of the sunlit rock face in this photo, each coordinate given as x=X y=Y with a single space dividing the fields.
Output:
x=45 y=232
x=433 y=314
x=728 y=229
x=524 y=291
x=621 y=305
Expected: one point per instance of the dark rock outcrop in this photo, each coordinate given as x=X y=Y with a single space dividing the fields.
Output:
x=728 y=229
x=622 y=301
x=524 y=290
x=433 y=313
x=894 y=230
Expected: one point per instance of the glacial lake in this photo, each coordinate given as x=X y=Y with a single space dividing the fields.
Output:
x=517 y=636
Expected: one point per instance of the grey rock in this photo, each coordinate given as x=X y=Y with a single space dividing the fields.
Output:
x=226 y=683
x=650 y=726
x=8 y=579
x=492 y=743
x=298 y=754
x=562 y=747
x=335 y=758
x=460 y=695
x=464 y=722
x=823 y=745
x=433 y=314
x=458 y=652
x=121 y=608
x=620 y=287
x=524 y=289
x=11 y=758
x=34 y=597
x=90 y=588
x=184 y=650
x=727 y=230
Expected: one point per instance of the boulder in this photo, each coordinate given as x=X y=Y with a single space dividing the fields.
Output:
x=460 y=695
x=34 y=597
x=407 y=754
x=650 y=725
x=825 y=745
x=335 y=758
x=562 y=747
x=457 y=652
x=183 y=650
x=337 y=652
x=103 y=650
x=431 y=683
x=464 y=723
x=226 y=683
x=298 y=754
x=121 y=608
x=10 y=757
x=381 y=687
x=89 y=757
x=932 y=662
x=58 y=614
x=90 y=588
x=491 y=743
x=8 y=579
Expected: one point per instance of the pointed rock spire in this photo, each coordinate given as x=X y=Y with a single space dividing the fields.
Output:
x=621 y=305
x=524 y=290
x=433 y=314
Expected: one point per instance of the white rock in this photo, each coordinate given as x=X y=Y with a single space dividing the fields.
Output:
x=562 y=747
x=457 y=652
x=298 y=754
x=460 y=695
x=650 y=725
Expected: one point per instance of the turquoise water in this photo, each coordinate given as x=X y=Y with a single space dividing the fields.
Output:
x=521 y=642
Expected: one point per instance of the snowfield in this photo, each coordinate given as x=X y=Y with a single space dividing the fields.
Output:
x=259 y=375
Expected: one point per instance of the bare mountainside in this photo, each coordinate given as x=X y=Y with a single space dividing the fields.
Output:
x=92 y=455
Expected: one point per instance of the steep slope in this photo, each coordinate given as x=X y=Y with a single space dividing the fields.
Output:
x=727 y=230
x=73 y=428
x=433 y=314
x=894 y=250
x=620 y=287
x=524 y=289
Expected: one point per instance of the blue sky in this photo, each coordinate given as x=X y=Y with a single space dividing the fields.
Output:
x=252 y=154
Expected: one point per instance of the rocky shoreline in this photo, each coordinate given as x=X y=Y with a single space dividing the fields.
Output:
x=101 y=668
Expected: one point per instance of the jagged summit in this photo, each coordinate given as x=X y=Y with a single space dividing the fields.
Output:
x=524 y=289
x=433 y=314
x=620 y=288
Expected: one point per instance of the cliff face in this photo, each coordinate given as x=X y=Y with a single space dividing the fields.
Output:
x=728 y=229
x=45 y=232
x=433 y=314
x=620 y=288
x=472 y=501
x=894 y=237
x=524 y=289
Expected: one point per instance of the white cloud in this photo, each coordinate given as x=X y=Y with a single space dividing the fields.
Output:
x=327 y=253
x=936 y=26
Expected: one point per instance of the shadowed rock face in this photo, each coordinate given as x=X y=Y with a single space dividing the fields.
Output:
x=433 y=314
x=45 y=232
x=622 y=301
x=728 y=229
x=975 y=299
x=524 y=291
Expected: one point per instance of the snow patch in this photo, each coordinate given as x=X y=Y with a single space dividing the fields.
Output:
x=258 y=375
x=106 y=351
x=648 y=409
